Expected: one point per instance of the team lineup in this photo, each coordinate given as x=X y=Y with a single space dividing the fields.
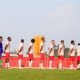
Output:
x=30 y=52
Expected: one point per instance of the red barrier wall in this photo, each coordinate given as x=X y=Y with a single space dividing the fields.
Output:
x=14 y=62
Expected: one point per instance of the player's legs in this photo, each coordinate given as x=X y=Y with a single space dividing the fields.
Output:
x=20 y=61
x=50 y=62
x=72 y=62
x=30 y=63
x=0 y=59
x=71 y=65
x=60 y=64
x=42 y=61
x=30 y=60
x=61 y=58
x=41 y=64
x=78 y=62
x=7 y=65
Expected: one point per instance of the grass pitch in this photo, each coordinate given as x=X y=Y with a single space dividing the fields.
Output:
x=35 y=74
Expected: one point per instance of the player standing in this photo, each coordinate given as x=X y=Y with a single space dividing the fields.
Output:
x=31 y=52
x=1 y=47
x=78 y=56
x=61 y=54
x=72 y=54
x=20 y=53
x=1 y=50
x=42 y=52
x=51 y=53
x=7 y=52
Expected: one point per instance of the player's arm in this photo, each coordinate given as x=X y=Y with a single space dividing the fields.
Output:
x=70 y=52
x=5 y=48
x=20 y=50
x=59 y=51
x=50 y=51
x=29 y=49
x=2 y=48
x=41 y=48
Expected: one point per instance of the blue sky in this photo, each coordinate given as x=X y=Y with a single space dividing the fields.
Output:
x=56 y=19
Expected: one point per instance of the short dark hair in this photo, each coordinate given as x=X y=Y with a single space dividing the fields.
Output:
x=52 y=40
x=42 y=38
x=1 y=38
x=22 y=40
x=32 y=40
x=78 y=44
x=9 y=38
x=72 y=41
x=62 y=41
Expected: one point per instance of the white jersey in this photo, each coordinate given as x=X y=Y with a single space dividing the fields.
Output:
x=8 y=47
x=32 y=48
x=42 y=45
x=62 y=50
x=73 y=52
x=78 y=51
x=21 y=45
x=52 y=52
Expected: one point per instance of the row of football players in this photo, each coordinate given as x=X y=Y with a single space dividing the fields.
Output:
x=42 y=52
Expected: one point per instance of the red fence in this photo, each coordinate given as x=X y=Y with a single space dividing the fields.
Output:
x=14 y=62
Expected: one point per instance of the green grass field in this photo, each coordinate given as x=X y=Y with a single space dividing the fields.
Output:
x=35 y=74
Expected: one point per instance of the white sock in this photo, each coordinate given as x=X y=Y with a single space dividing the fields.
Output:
x=8 y=65
x=78 y=66
x=41 y=65
x=60 y=65
x=50 y=64
x=71 y=66
x=19 y=63
x=30 y=63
